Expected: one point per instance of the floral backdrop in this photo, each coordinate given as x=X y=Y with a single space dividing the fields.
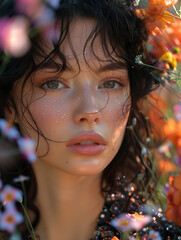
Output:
x=163 y=21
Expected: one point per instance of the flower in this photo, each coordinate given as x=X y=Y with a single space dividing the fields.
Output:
x=10 y=194
x=27 y=148
x=114 y=238
x=138 y=221
x=127 y=221
x=156 y=17
x=9 y=131
x=14 y=36
x=21 y=178
x=173 y=211
x=122 y=222
x=10 y=218
x=168 y=41
x=154 y=235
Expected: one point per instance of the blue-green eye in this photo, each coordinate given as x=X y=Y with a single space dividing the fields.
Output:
x=53 y=85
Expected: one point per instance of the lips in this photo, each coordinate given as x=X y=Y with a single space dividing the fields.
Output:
x=89 y=143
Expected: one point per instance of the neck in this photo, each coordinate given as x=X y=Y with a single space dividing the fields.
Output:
x=69 y=205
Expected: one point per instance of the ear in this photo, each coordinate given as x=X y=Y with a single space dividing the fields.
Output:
x=10 y=113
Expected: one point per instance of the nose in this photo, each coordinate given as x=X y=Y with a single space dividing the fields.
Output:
x=87 y=111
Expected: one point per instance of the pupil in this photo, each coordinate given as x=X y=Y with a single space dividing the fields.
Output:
x=52 y=85
x=109 y=84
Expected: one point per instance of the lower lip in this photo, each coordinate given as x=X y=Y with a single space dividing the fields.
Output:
x=87 y=149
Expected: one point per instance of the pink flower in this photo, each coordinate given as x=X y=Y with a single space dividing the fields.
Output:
x=10 y=218
x=14 y=36
x=29 y=7
x=139 y=221
x=10 y=194
x=126 y=222
x=27 y=148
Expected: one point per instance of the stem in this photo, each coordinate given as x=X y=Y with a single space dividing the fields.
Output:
x=24 y=193
x=27 y=217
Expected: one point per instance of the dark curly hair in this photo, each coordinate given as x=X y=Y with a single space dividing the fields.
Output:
x=117 y=26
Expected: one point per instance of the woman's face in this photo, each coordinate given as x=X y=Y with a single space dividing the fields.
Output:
x=82 y=112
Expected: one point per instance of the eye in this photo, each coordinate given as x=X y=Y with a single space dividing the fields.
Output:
x=112 y=84
x=53 y=85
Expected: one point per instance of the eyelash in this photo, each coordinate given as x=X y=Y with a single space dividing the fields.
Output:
x=64 y=85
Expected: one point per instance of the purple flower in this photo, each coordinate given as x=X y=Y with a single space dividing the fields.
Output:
x=10 y=218
x=10 y=132
x=153 y=235
x=10 y=194
x=27 y=148
x=123 y=222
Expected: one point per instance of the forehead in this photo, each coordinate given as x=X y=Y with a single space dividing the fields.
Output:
x=76 y=42
x=83 y=45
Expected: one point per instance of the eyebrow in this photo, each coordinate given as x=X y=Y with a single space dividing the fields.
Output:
x=49 y=64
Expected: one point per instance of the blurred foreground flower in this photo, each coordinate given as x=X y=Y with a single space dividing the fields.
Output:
x=154 y=235
x=127 y=221
x=27 y=148
x=10 y=194
x=173 y=212
x=14 y=39
x=10 y=218
x=156 y=17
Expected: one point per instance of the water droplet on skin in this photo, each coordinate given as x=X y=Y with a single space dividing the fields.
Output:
x=110 y=110
x=62 y=117
x=58 y=111
x=45 y=105
x=64 y=114
x=55 y=100
x=62 y=101
x=57 y=121
x=79 y=98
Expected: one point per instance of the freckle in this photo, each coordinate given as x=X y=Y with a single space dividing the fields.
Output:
x=67 y=162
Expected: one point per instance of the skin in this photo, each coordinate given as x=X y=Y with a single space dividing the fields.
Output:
x=92 y=99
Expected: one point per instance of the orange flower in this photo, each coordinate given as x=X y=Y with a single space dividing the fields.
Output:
x=156 y=17
x=172 y=130
x=165 y=166
x=168 y=41
x=173 y=211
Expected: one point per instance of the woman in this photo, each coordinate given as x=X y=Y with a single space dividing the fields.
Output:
x=76 y=96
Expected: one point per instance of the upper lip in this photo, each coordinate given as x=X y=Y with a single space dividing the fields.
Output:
x=87 y=136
